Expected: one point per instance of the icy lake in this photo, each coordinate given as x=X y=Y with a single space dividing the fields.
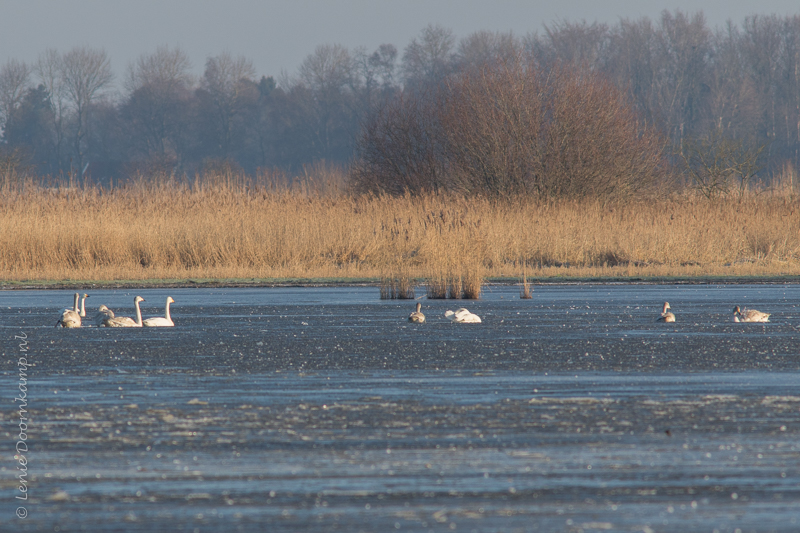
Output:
x=324 y=409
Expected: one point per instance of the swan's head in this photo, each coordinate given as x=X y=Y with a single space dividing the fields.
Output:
x=666 y=306
x=170 y=300
x=138 y=299
x=736 y=310
x=85 y=295
x=102 y=308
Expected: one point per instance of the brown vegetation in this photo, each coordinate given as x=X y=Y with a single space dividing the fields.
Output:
x=227 y=227
x=512 y=128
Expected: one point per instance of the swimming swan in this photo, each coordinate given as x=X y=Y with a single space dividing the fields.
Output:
x=70 y=318
x=749 y=315
x=665 y=316
x=417 y=315
x=83 y=305
x=463 y=316
x=103 y=312
x=161 y=321
x=124 y=321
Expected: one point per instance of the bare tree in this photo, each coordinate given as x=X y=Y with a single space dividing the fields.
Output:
x=14 y=81
x=578 y=43
x=683 y=63
x=229 y=83
x=331 y=76
x=157 y=108
x=48 y=69
x=85 y=74
x=384 y=62
x=484 y=47
x=631 y=63
x=328 y=70
x=167 y=68
x=719 y=165
x=428 y=59
x=373 y=76
x=733 y=101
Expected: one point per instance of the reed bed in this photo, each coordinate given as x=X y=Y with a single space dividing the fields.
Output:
x=229 y=229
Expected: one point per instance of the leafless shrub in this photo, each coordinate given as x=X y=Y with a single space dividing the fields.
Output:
x=719 y=165
x=400 y=149
x=511 y=129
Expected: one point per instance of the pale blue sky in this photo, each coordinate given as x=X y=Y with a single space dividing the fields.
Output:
x=278 y=35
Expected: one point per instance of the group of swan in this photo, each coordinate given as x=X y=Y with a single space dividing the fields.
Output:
x=71 y=318
x=460 y=315
x=739 y=315
x=463 y=316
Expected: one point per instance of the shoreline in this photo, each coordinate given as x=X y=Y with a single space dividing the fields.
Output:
x=375 y=282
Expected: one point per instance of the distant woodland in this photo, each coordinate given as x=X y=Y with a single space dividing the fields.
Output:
x=702 y=100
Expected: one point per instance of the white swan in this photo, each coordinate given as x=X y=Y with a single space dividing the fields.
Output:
x=749 y=315
x=83 y=305
x=463 y=316
x=70 y=318
x=161 y=321
x=124 y=321
x=103 y=312
x=665 y=316
x=417 y=315
x=75 y=306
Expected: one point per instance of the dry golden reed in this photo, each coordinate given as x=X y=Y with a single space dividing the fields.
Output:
x=229 y=229
x=525 y=292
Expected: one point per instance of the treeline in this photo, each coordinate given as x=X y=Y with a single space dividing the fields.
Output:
x=702 y=89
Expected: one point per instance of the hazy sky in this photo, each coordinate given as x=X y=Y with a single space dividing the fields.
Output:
x=278 y=35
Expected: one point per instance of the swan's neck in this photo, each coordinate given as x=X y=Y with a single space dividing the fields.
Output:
x=77 y=297
x=166 y=313
x=138 y=315
x=83 y=306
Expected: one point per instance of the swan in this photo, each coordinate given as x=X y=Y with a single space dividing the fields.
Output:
x=103 y=312
x=665 y=316
x=417 y=315
x=124 y=321
x=70 y=318
x=463 y=316
x=162 y=321
x=83 y=305
x=749 y=315
x=75 y=306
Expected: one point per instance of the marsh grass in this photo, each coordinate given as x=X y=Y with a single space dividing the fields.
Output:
x=525 y=292
x=224 y=226
x=397 y=287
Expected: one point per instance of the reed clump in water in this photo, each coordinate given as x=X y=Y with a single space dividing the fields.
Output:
x=224 y=226
x=397 y=287
x=525 y=292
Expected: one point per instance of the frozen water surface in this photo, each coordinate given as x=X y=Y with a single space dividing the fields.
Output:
x=323 y=409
